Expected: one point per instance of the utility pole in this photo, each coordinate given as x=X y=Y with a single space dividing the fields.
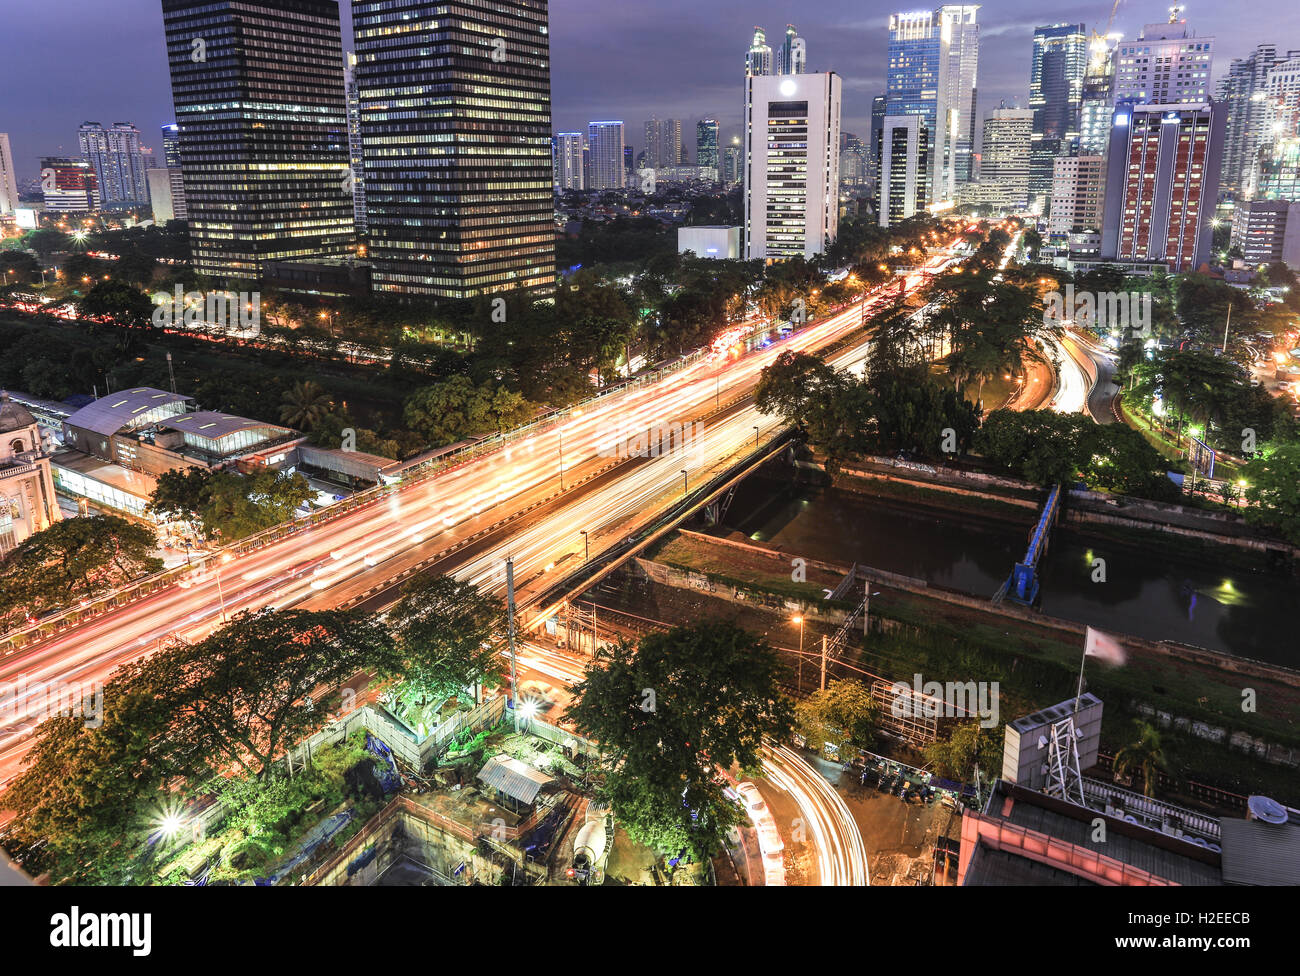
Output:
x=1225 y=331
x=510 y=636
x=825 y=641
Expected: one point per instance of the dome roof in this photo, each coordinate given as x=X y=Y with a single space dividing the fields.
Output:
x=13 y=416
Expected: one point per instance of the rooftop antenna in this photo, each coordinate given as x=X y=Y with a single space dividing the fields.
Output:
x=1174 y=11
x=171 y=373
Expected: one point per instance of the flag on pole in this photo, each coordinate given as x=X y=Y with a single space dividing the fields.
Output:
x=1103 y=647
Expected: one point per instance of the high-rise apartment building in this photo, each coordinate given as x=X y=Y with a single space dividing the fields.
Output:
x=1162 y=182
x=8 y=179
x=792 y=127
x=706 y=144
x=114 y=152
x=171 y=143
x=931 y=72
x=1167 y=63
x=1004 y=163
x=1078 y=195
x=259 y=96
x=1241 y=92
x=69 y=185
x=455 y=102
x=904 y=168
x=663 y=143
x=568 y=161
x=606 y=167
x=1060 y=58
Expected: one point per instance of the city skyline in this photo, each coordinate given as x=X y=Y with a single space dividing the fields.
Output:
x=592 y=45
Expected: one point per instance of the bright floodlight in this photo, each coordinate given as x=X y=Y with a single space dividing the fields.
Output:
x=171 y=825
x=528 y=709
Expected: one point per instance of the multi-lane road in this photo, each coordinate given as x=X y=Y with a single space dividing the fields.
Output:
x=466 y=520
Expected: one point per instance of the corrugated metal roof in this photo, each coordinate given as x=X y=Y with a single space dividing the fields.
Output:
x=515 y=779
x=111 y=413
x=1258 y=853
x=208 y=423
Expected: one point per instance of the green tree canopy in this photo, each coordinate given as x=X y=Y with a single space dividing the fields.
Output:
x=668 y=714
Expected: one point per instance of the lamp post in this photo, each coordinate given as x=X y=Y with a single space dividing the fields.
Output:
x=225 y=558
x=561 y=433
x=685 y=484
x=756 y=437
x=586 y=545
x=866 y=611
x=799 y=621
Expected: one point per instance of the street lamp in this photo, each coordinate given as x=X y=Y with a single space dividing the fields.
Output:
x=799 y=621
x=866 y=610
x=586 y=545
x=756 y=437
x=225 y=558
x=685 y=483
x=560 y=431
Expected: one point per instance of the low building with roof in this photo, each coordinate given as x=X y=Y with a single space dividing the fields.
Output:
x=27 y=501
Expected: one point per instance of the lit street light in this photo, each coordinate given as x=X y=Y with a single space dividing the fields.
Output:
x=225 y=558
x=799 y=621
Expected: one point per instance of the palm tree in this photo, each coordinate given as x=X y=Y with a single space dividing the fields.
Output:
x=304 y=404
x=1145 y=755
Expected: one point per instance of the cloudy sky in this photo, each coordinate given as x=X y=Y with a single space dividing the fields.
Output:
x=627 y=59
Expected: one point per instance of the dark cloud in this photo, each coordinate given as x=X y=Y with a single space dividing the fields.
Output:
x=66 y=61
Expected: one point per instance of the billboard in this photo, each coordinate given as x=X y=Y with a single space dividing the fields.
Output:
x=1201 y=457
x=26 y=219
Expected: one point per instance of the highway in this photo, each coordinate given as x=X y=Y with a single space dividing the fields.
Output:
x=465 y=521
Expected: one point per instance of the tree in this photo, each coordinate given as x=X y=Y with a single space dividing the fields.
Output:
x=1145 y=755
x=969 y=745
x=843 y=713
x=1273 y=490
x=304 y=404
x=1117 y=458
x=795 y=384
x=239 y=698
x=444 y=629
x=456 y=409
x=119 y=303
x=75 y=558
x=230 y=504
x=668 y=714
x=1041 y=446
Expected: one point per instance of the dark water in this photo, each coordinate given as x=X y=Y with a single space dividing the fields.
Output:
x=1151 y=594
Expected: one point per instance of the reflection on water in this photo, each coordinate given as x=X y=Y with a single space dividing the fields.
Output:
x=1155 y=595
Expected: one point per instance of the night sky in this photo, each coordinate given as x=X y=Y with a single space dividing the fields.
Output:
x=611 y=59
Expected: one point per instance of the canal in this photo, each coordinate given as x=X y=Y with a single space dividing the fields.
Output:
x=1147 y=593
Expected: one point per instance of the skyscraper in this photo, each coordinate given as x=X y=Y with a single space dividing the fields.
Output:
x=1098 y=99
x=1243 y=92
x=731 y=164
x=1167 y=63
x=663 y=143
x=606 y=166
x=8 y=180
x=455 y=100
x=167 y=183
x=794 y=53
x=1162 y=182
x=958 y=20
x=356 y=157
x=119 y=166
x=758 y=60
x=1004 y=165
x=171 y=142
x=1060 y=58
x=568 y=161
x=931 y=72
x=904 y=168
x=877 y=127
x=259 y=97
x=792 y=166
x=706 y=144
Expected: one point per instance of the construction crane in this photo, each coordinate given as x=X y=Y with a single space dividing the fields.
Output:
x=1099 y=49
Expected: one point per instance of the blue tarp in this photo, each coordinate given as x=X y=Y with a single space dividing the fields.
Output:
x=386 y=769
